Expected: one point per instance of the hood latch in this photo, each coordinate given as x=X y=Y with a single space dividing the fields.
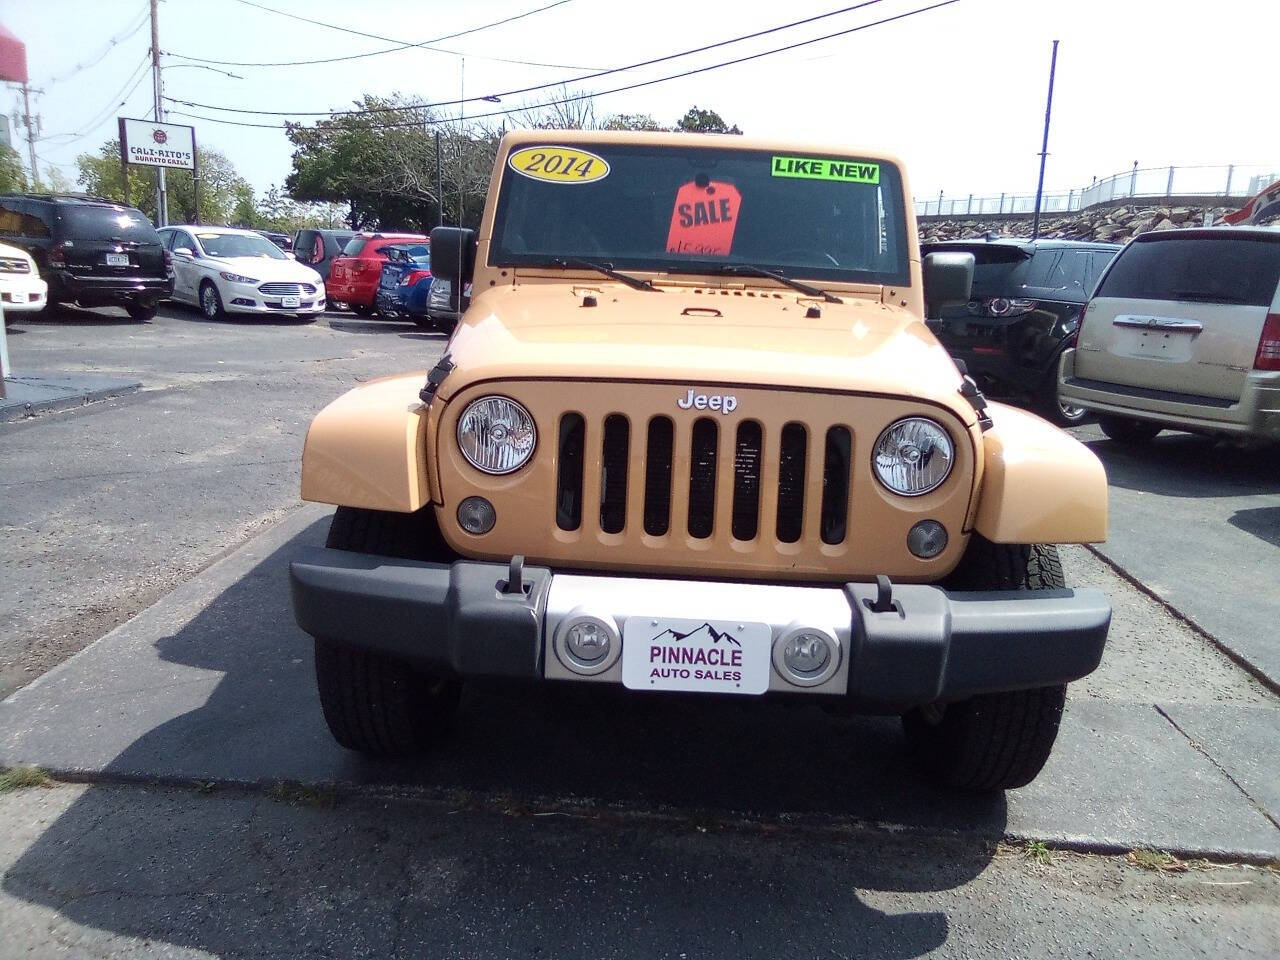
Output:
x=969 y=390
x=435 y=377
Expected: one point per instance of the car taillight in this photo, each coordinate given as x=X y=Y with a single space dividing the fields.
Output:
x=1268 y=357
x=168 y=260
x=413 y=276
x=1008 y=306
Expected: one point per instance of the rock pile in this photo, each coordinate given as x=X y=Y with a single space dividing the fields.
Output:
x=1111 y=224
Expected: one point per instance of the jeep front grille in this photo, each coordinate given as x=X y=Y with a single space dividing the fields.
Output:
x=654 y=466
x=627 y=478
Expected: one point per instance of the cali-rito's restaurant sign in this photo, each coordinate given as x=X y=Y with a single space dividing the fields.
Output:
x=150 y=144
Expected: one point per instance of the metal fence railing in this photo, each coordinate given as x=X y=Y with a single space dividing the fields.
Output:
x=1227 y=180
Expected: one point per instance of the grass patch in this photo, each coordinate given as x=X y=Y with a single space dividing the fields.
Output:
x=1160 y=861
x=300 y=795
x=1039 y=853
x=23 y=778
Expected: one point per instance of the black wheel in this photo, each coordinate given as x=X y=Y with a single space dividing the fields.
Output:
x=423 y=322
x=1124 y=430
x=211 y=302
x=1055 y=410
x=993 y=741
x=373 y=703
x=142 y=312
x=362 y=309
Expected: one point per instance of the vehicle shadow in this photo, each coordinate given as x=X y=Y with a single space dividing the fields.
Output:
x=1262 y=522
x=190 y=314
x=342 y=325
x=1187 y=465
x=71 y=315
x=719 y=816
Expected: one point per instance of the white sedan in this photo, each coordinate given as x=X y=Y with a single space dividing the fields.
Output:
x=223 y=270
x=21 y=289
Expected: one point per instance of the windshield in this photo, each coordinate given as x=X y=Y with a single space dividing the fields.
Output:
x=239 y=245
x=88 y=222
x=698 y=209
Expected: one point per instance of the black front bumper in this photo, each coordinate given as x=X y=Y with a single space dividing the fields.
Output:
x=461 y=619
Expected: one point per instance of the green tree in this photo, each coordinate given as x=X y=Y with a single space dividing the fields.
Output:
x=221 y=186
x=697 y=120
x=631 y=121
x=13 y=177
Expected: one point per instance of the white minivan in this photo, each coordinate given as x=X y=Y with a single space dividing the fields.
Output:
x=1183 y=331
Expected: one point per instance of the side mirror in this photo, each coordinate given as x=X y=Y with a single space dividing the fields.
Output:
x=183 y=252
x=453 y=254
x=948 y=279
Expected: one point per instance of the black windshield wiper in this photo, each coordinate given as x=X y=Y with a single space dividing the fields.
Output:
x=606 y=269
x=751 y=270
x=1203 y=296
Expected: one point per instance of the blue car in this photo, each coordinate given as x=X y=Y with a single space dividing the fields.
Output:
x=405 y=283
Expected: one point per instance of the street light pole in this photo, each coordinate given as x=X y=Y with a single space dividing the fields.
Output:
x=162 y=198
x=1048 y=110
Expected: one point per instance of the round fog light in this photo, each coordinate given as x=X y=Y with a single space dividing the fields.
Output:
x=587 y=641
x=476 y=515
x=806 y=653
x=927 y=539
x=806 y=656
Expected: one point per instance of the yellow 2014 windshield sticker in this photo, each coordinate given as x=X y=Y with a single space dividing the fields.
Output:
x=559 y=164
x=821 y=168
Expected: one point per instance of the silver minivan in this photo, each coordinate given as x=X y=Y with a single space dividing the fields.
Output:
x=1183 y=331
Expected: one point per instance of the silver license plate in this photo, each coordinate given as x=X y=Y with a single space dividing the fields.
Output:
x=117 y=259
x=289 y=301
x=700 y=656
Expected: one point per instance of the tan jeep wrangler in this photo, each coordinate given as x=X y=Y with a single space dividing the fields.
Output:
x=692 y=435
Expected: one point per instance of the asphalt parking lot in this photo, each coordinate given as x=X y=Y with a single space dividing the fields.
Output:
x=162 y=521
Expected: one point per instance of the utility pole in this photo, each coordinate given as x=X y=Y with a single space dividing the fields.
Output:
x=33 y=126
x=1048 y=109
x=162 y=198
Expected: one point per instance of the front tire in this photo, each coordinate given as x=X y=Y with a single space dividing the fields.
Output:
x=211 y=302
x=374 y=703
x=993 y=741
x=1125 y=430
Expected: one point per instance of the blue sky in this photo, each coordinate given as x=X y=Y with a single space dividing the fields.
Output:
x=957 y=92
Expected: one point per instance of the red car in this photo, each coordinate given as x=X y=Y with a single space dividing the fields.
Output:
x=353 y=277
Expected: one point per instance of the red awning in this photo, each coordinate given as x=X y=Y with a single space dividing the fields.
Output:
x=13 y=58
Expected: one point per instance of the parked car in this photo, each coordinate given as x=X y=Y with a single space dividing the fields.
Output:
x=443 y=308
x=405 y=283
x=354 y=276
x=1025 y=308
x=1183 y=332
x=90 y=251
x=223 y=270
x=675 y=450
x=21 y=289
x=318 y=248
x=281 y=240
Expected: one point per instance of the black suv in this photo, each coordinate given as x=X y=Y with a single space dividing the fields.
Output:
x=91 y=251
x=1023 y=312
x=318 y=248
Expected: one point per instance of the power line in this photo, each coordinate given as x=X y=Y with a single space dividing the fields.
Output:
x=126 y=34
x=136 y=76
x=423 y=45
x=540 y=86
x=600 y=93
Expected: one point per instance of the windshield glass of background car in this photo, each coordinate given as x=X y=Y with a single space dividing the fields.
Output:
x=106 y=223
x=677 y=208
x=239 y=245
x=1237 y=268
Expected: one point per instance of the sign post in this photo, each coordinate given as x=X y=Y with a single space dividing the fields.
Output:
x=160 y=145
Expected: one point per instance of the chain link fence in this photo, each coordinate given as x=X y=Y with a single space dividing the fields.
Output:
x=1230 y=180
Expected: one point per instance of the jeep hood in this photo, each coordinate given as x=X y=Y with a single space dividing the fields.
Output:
x=758 y=337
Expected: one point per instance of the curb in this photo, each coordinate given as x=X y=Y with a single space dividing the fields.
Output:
x=13 y=410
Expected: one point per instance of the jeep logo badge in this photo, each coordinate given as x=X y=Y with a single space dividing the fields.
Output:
x=724 y=403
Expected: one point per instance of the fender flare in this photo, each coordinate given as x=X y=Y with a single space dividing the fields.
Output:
x=368 y=448
x=1039 y=484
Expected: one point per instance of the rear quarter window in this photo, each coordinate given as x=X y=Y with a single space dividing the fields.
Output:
x=354 y=246
x=1228 y=269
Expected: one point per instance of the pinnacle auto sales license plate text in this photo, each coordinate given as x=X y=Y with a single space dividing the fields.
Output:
x=703 y=656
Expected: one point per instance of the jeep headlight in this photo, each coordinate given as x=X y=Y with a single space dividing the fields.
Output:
x=912 y=456
x=496 y=435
